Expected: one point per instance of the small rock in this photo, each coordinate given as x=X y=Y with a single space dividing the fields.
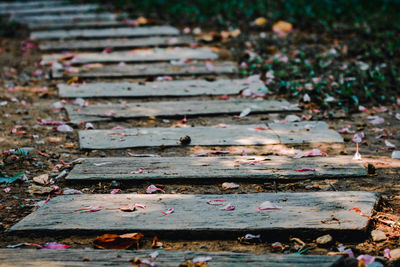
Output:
x=185 y=140
x=39 y=190
x=323 y=240
x=42 y=179
x=395 y=254
x=378 y=235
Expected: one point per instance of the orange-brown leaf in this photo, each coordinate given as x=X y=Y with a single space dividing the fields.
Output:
x=112 y=241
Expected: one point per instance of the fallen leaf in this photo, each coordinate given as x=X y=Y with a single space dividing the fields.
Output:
x=226 y=186
x=282 y=28
x=156 y=243
x=128 y=208
x=261 y=21
x=39 y=190
x=112 y=241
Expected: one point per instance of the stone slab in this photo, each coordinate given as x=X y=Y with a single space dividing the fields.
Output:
x=228 y=135
x=144 y=70
x=74 y=45
x=136 y=56
x=214 y=169
x=159 y=136
x=166 y=258
x=157 y=89
x=70 y=9
x=69 y=18
x=102 y=112
x=300 y=212
x=106 y=33
x=305 y=132
x=74 y=25
x=10 y=6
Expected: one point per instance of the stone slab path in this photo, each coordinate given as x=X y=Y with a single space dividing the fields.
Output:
x=119 y=71
x=106 y=33
x=104 y=112
x=299 y=212
x=100 y=44
x=64 y=19
x=166 y=88
x=94 y=23
x=70 y=9
x=213 y=169
x=16 y=6
x=98 y=258
x=136 y=56
x=229 y=135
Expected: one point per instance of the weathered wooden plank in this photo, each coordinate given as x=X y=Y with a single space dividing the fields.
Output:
x=214 y=169
x=50 y=10
x=173 y=109
x=69 y=18
x=300 y=213
x=73 y=45
x=165 y=88
x=144 y=70
x=158 y=136
x=75 y=25
x=229 y=135
x=9 y=6
x=305 y=132
x=166 y=258
x=136 y=56
x=106 y=33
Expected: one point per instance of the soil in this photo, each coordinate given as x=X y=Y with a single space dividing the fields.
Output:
x=29 y=98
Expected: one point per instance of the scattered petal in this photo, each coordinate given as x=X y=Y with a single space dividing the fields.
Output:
x=268 y=205
x=168 y=211
x=226 y=186
x=152 y=188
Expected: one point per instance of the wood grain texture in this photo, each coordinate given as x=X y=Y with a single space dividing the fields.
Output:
x=106 y=33
x=102 y=112
x=166 y=258
x=50 y=10
x=166 y=88
x=231 y=135
x=145 y=70
x=214 y=169
x=142 y=55
x=100 y=44
x=300 y=212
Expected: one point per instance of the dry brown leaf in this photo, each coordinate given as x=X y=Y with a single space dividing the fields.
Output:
x=128 y=208
x=282 y=27
x=112 y=241
x=261 y=21
x=156 y=243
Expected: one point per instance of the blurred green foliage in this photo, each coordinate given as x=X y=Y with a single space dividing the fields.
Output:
x=328 y=14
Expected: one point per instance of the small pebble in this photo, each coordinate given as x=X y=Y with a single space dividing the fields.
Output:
x=323 y=240
x=378 y=235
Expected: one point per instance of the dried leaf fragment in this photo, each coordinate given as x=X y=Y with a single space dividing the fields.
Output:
x=112 y=241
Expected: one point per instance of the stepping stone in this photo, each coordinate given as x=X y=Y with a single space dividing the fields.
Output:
x=74 y=25
x=105 y=112
x=144 y=70
x=229 y=135
x=300 y=213
x=137 y=56
x=50 y=10
x=106 y=33
x=166 y=258
x=70 y=18
x=9 y=6
x=165 y=88
x=214 y=169
x=73 y=45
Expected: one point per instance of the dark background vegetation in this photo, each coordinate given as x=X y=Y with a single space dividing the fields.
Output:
x=368 y=28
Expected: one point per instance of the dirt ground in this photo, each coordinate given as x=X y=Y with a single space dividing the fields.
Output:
x=26 y=96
